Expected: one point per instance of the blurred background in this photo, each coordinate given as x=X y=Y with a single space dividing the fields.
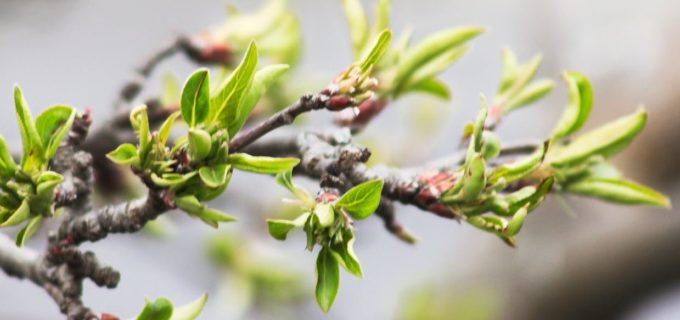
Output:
x=577 y=258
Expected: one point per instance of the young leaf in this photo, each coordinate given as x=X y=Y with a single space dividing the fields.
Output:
x=523 y=74
x=358 y=25
x=431 y=86
x=605 y=140
x=382 y=43
x=510 y=71
x=171 y=92
x=327 y=279
x=30 y=139
x=285 y=179
x=193 y=207
x=517 y=170
x=125 y=154
x=325 y=213
x=7 y=165
x=429 y=49
x=246 y=162
x=279 y=229
x=139 y=118
x=262 y=80
x=529 y=95
x=52 y=125
x=516 y=222
x=214 y=176
x=345 y=256
x=172 y=179
x=195 y=103
x=362 y=200
x=579 y=107
x=164 y=131
x=18 y=216
x=200 y=144
x=161 y=309
x=190 y=311
x=224 y=105
x=28 y=230
x=434 y=67
x=619 y=191
x=382 y=16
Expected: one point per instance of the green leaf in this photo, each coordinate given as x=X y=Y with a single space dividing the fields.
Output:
x=262 y=80
x=52 y=125
x=382 y=16
x=215 y=176
x=516 y=222
x=193 y=207
x=529 y=95
x=161 y=309
x=579 y=107
x=434 y=67
x=358 y=25
x=605 y=140
x=279 y=229
x=519 y=169
x=431 y=86
x=325 y=213
x=195 y=103
x=345 y=256
x=171 y=92
x=327 y=279
x=224 y=105
x=285 y=179
x=28 y=230
x=18 y=216
x=125 y=154
x=172 y=179
x=139 y=119
x=7 y=164
x=246 y=162
x=190 y=311
x=200 y=144
x=520 y=78
x=361 y=200
x=47 y=181
x=510 y=71
x=429 y=49
x=619 y=191
x=166 y=127
x=382 y=43
x=30 y=139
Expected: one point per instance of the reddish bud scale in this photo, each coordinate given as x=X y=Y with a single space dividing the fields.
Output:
x=433 y=185
x=107 y=316
x=326 y=197
x=337 y=103
x=368 y=110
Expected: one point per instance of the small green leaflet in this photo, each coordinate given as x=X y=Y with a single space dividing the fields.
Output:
x=279 y=229
x=619 y=191
x=162 y=309
x=52 y=125
x=579 y=107
x=429 y=49
x=246 y=162
x=215 y=176
x=327 y=279
x=362 y=200
x=32 y=146
x=125 y=154
x=605 y=140
x=262 y=80
x=224 y=105
x=358 y=25
x=195 y=101
x=382 y=43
